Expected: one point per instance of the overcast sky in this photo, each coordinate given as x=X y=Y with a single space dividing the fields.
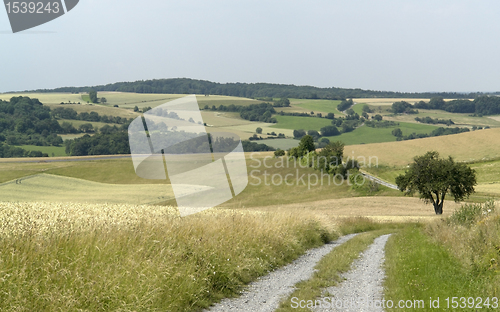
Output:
x=400 y=45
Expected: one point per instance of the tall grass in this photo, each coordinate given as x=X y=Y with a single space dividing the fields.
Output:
x=418 y=268
x=71 y=257
x=472 y=234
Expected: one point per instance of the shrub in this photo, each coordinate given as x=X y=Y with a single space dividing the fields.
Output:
x=279 y=153
x=470 y=213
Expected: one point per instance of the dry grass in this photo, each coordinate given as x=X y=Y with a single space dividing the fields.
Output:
x=471 y=146
x=474 y=239
x=381 y=209
x=74 y=257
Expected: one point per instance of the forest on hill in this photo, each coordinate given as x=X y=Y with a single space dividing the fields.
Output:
x=252 y=90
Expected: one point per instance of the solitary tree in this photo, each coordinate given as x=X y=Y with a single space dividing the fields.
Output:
x=258 y=130
x=434 y=177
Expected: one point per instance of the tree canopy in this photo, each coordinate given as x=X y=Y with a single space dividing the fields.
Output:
x=93 y=96
x=433 y=177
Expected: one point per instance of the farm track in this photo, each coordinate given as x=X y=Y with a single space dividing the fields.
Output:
x=379 y=181
x=363 y=283
x=266 y=293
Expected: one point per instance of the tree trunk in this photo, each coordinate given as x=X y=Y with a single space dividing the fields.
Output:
x=438 y=208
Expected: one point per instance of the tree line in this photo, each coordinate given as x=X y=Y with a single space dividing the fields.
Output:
x=251 y=90
x=25 y=121
x=481 y=105
x=69 y=113
x=255 y=112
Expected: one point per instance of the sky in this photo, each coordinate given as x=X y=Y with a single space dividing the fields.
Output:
x=390 y=45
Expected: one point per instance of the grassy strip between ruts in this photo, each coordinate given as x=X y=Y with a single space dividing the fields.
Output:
x=330 y=267
x=419 y=268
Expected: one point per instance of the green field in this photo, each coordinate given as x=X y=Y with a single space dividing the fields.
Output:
x=367 y=135
x=116 y=171
x=53 y=188
x=296 y=122
x=55 y=151
x=317 y=106
x=358 y=108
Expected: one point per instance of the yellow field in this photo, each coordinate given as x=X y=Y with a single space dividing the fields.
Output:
x=229 y=122
x=471 y=146
x=381 y=208
x=46 y=98
x=52 y=188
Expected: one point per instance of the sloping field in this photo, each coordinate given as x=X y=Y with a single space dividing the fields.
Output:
x=458 y=118
x=46 y=98
x=305 y=123
x=471 y=146
x=366 y=135
x=52 y=188
x=317 y=106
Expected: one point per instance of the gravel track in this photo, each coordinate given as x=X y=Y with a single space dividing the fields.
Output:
x=266 y=293
x=364 y=280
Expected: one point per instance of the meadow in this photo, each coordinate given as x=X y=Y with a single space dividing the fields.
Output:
x=316 y=106
x=305 y=123
x=367 y=135
x=52 y=151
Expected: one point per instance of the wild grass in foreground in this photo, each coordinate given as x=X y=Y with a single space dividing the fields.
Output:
x=74 y=257
x=418 y=268
x=472 y=235
x=329 y=269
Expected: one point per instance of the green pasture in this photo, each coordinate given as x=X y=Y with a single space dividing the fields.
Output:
x=296 y=122
x=53 y=188
x=56 y=150
x=317 y=106
x=367 y=135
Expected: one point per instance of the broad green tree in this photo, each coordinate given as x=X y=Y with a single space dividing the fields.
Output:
x=433 y=177
x=306 y=144
x=93 y=96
